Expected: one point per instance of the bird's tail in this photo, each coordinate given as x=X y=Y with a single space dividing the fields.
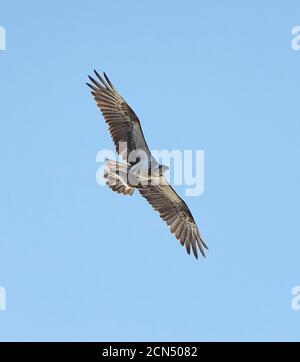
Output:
x=115 y=174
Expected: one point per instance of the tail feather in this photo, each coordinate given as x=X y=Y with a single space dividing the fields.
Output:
x=115 y=174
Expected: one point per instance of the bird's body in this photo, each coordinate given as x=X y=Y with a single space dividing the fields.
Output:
x=141 y=171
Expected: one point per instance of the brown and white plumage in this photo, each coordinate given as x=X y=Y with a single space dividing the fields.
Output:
x=123 y=124
x=125 y=127
x=174 y=211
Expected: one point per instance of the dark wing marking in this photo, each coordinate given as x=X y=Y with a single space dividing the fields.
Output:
x=123 y=123
x=174 y=211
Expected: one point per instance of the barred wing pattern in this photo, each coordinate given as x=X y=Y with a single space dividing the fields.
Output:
x=174 y=211
x=124 y=125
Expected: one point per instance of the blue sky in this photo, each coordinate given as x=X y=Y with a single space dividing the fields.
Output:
x=79 y=262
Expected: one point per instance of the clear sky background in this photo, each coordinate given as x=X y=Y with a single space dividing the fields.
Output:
x=79 y=262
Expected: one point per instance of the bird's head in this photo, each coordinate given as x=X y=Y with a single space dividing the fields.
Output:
x=162 y=169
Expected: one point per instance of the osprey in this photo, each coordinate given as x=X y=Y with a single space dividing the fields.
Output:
x=141 y=172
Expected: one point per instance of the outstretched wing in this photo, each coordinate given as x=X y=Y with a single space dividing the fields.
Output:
x=174 y=211
x=123 y=123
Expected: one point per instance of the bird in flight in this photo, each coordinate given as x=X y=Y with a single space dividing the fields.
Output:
x=141 y=171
